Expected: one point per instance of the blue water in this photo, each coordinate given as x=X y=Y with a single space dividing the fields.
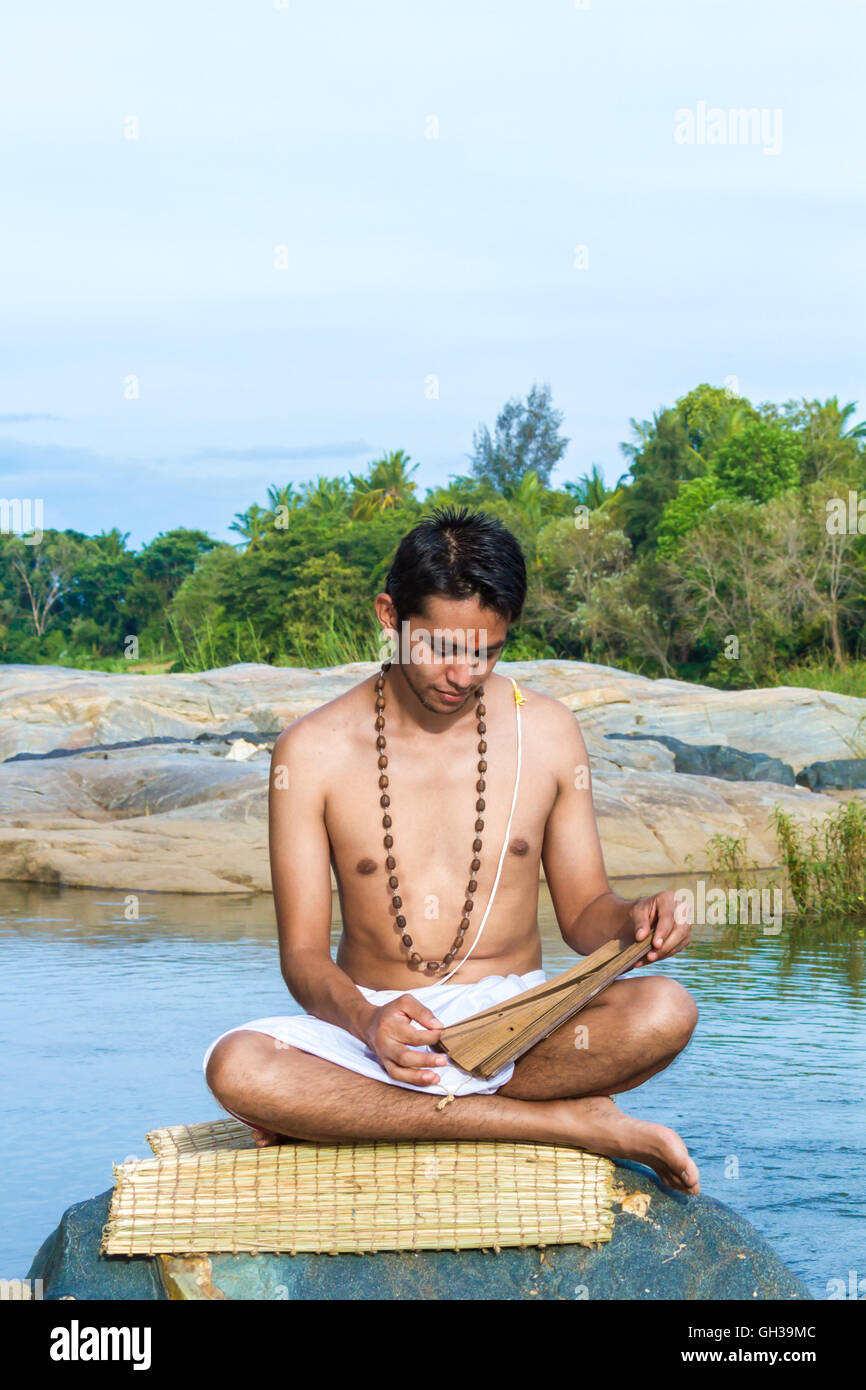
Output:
x=104 y=1022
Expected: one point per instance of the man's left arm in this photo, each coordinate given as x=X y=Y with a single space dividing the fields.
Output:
x=589 y=913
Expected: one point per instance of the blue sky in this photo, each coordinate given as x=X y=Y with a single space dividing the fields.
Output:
x=306 y=126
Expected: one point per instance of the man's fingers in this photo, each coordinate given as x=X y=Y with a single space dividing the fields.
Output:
x=414 y=1009
x=408 y=1057
x=643 y=916
x=677 y=939
x=408 y=1032
x=414 y=1077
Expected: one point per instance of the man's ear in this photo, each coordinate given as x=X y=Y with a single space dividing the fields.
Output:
x=386 y=613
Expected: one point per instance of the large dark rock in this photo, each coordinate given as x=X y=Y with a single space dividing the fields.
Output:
x=70 y=1265
x=664 y=1246
x=838 y=774
x=719 y=760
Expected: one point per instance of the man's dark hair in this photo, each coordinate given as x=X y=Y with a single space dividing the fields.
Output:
x=458 y=553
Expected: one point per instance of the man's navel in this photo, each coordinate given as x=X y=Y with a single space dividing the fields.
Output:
x=366 y=866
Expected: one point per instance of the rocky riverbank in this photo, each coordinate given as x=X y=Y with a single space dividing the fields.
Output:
x=159 y=783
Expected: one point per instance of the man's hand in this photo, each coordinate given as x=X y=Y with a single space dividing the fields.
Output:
x=669 y=921
x=391 y=1029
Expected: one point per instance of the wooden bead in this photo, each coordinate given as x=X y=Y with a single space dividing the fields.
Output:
x=482 y=747
x=388 y=841
x=415 y=959
x=475 y=865
x=480 y=785
x=384 y=801
x=380 y=742
x=386 y=821
x=390 y=862
x=482 y=727
x=482 y=766
x=468 y=905
x=476 y=845
x=392 y=882
x=482 y=710
x=397 y=901
x=464 y=924
x=383 y=780
x=432 y=965
x=380 y=723
x=401 y=922
x=479 y=824
x=480 y=804
x=383 y=761
x=472 y=885
x=406 y=939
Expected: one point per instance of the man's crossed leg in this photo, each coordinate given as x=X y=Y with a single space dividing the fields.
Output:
x=559 y=1093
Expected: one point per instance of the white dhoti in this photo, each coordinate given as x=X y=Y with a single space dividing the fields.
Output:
x=448 y=1002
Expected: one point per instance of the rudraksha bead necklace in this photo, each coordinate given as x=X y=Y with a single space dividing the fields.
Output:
x=431 y=966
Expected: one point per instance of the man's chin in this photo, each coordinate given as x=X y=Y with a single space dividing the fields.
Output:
x=438 y=704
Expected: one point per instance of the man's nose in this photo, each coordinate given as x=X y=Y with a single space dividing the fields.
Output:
x=460 y=677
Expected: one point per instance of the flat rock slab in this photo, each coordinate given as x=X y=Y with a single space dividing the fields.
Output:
x=185 y=817
x=664 y=1246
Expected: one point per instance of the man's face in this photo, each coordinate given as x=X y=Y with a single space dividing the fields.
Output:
x=448 y=651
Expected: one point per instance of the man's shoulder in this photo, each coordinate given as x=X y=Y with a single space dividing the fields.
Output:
x=331 y=722
x=547 y=711
x=551 y=733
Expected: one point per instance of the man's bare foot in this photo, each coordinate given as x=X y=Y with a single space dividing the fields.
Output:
x=265 y=1137
x=599 y=1126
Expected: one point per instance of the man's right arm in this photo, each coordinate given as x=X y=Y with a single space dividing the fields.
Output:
x=300 y=877
x=301 y=881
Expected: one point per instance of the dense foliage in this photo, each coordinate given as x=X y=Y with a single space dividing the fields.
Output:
x=719 y=555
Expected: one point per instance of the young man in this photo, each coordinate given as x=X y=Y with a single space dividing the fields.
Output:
x=407 y=785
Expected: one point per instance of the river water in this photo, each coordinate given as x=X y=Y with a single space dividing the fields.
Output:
x=104 y=1022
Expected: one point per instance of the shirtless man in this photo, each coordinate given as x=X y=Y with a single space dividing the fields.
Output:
x=459 y=573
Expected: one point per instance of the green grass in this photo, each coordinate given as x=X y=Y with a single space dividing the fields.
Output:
x=822 y=675
x=824 y=863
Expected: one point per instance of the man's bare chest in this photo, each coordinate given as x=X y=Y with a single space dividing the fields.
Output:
x=434 y=814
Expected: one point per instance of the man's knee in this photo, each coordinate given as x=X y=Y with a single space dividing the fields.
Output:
x=239 y=1064
x=669 y=1008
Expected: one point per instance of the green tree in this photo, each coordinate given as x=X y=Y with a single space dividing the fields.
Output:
x=574 y=553
x=691 y=503
x=661 y=458
x=252 y=524
x=387 y=485
x=527 y=439
x=760 y=460
x=621 y=620
x=724 y=595
x=161 y=568
x=591 y=490
x=710 y=414
x=832 y=442
x=41 y=576
x=326 y=498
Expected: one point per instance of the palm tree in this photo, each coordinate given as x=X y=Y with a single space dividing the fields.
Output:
x=387 y=484
x=283 y=497
x=590 y=490
x=251 y=524
x=327 y=497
